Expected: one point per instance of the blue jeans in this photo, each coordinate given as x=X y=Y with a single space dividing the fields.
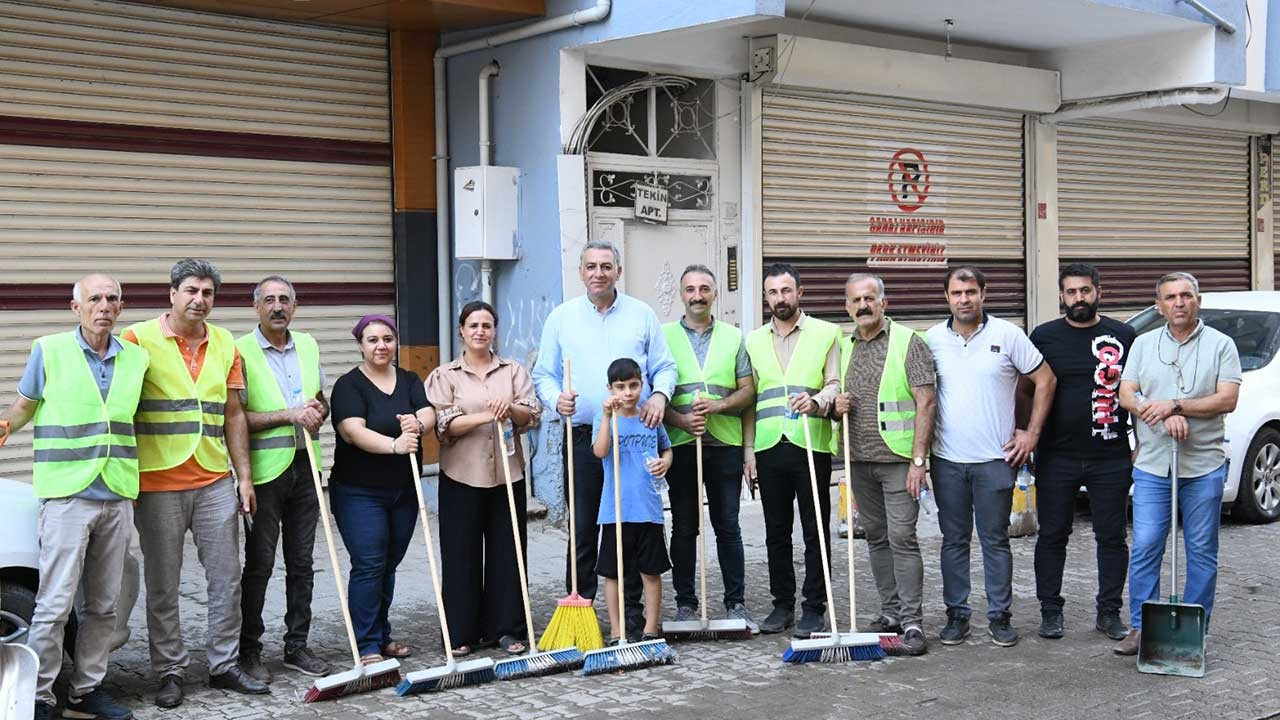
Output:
x=1200 y=506
x=376 y=524
x=966 y=492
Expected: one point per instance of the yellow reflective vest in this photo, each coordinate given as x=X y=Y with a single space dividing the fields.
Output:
x=895 y=405
x=715 y=380
x=271 y=451
x=774 y=387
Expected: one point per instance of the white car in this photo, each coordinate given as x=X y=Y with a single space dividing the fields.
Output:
x=1252 y=320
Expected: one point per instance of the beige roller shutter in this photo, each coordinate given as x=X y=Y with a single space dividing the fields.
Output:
x=832 y=184
x=1139 y=200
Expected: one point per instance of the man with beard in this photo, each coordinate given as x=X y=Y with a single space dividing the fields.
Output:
x=977 y=450
x=1085 y=442
x=795 y=360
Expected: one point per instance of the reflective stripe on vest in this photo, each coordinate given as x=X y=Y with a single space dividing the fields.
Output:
x=774 y=387
x=78 y=435
x=271 y=451
x=714 y=381
x=896 y=406
x=179 y=418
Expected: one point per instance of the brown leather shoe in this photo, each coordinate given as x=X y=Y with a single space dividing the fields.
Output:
x=1129 y=645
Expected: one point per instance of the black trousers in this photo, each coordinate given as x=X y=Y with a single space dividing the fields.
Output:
x=481 y=579
x=1058 y=479
x=588 y=481
x=288 y=505
x=784 y=486
x=722 y=482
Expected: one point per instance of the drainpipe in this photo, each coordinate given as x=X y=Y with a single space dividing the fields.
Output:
x=444 y=246
x=487 y=73
x=1164 y=98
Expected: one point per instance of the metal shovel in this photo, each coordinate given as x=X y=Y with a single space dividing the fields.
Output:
x=1172 y=639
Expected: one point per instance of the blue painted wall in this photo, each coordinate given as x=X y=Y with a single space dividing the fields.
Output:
x=1271 y=80
x=1229 y=57
x=526 y=134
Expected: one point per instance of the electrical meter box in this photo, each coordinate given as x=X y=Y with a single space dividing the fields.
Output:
x=485 y=203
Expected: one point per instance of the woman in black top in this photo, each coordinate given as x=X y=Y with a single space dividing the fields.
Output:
x=379 y=412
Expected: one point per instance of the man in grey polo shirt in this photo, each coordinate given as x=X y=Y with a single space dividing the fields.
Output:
x=1180 y=382
x=976 y=448
x=284 y=394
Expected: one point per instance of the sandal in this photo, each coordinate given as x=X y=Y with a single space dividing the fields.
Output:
x=396 y=650
x=512 y=645
x=462 y=651
x=371 y=658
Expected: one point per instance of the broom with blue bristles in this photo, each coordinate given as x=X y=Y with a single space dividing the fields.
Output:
x=624 y=655
x=452 y=674
x=835 y=647
x=534 y=663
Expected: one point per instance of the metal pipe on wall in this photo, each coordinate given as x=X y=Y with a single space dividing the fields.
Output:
x=1146 y=101
x=487 y=73
x=444 y=246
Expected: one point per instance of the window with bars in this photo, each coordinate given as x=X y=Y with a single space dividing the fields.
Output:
x=658 y=122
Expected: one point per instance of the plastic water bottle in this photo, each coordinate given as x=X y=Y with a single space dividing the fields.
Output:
x=791 y=413
x=927 y=503
x=509 y=436
x=1025 y=478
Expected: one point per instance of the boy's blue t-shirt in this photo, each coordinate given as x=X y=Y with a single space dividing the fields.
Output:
x=641 y=501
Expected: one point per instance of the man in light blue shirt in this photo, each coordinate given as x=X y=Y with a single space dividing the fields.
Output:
x=590 y=332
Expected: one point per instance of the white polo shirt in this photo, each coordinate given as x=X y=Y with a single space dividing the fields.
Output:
x=977 y=380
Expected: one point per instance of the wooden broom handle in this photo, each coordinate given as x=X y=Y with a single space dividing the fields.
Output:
x=822 y=531
x=431 y=557
x=515 y=533
x=848 y=513
x=573 y=522
x=617 y=521
x=333 y=552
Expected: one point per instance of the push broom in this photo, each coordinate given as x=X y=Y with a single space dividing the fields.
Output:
x=534 y=663
x=704 y=629
x=624 y=655
x=574 y=620
x=835 y=647
x=360 y=678
x=889 y=642
x=452 y=674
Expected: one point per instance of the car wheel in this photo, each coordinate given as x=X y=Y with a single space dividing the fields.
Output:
x=1258 y=497
x=19 y=603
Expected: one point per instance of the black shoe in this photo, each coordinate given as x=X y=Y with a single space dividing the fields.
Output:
x=1110 y=625
x=779 y=619
x=1002 y=633
x=97 y=705
x=251 y=663
x=811 y=622
x=956 y=631
x=1051 y=626
x=170 y=693
x=236 y=680
x=305 y=662
x=913 y=640
x=884 y=624
x=42 y=711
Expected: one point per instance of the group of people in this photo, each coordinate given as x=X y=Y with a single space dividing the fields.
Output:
x=144 y=430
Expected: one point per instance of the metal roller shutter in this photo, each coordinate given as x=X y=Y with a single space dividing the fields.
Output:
x=134 y=135
x=828 y=193
x=1141 y=200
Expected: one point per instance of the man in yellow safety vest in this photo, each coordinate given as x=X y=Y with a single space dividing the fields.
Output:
x=283 y=396
x=81 y=388
x=795 y=360
x=190 y=422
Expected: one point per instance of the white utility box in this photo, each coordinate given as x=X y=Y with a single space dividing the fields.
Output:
x=485 y=203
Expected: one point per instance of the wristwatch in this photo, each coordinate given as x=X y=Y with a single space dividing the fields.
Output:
x=1177 y=407
x=917 y=461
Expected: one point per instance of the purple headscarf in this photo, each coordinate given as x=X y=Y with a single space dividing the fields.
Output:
x=358 y=330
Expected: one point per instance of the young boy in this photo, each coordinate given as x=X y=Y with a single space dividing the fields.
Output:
x=645 y=457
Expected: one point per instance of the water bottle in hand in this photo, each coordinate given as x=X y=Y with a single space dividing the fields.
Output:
x=1025 y=478
x=927 y=503
x=509 y=436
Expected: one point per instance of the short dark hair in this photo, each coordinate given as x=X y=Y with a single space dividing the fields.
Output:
x=780 y=268
x=474 y=306
x=1079 y=270
x=623 y=369
x=193 y=268
x=698 y=268
x=965 y=272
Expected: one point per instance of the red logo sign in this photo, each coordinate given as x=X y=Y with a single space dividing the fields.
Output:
x=909 y=179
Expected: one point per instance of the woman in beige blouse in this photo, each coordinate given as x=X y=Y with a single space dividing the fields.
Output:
x=480 y=583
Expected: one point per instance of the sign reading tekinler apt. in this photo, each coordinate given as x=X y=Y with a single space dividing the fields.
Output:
x=651 y=203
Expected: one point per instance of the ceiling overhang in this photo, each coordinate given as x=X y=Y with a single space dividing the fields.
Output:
x=434 y=15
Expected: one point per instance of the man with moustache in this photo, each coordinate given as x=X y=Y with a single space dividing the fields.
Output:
x=714 y=397
x=190 y=428
x=887 y=396
x=977 y=450
x=591 y=331
x=795 y=361
x=283 y=396
x=1085 y=442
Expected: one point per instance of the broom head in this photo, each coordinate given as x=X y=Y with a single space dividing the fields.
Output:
x=573 y=624
x=890 y=643
x=846 y=647
x=447 y=677
x=628 y=656
x=361 y=678
x=696 y=630
x=539 y=664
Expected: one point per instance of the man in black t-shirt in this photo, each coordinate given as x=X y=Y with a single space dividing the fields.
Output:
x=1085 y=442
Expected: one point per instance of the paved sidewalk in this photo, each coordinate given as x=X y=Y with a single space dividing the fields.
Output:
x=1075 y=678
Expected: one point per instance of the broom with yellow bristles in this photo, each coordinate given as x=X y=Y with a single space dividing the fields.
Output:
x=574 y=622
